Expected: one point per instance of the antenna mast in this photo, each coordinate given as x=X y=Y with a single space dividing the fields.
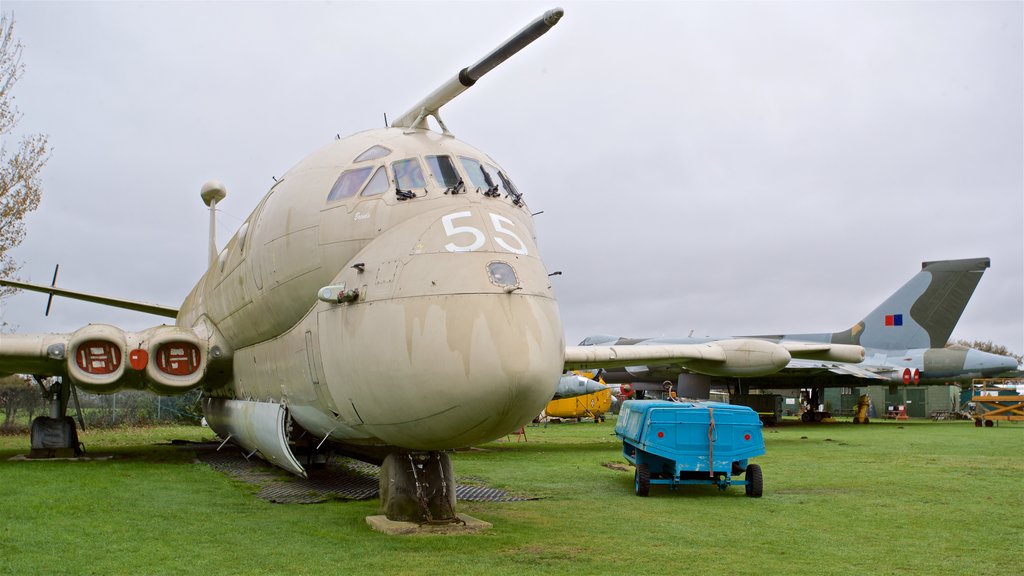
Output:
x=213 y=192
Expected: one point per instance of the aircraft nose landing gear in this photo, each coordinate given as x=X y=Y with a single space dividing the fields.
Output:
x=417 y=494
x=418 y=487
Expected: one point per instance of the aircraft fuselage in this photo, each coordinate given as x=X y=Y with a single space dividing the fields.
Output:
x=447 y=333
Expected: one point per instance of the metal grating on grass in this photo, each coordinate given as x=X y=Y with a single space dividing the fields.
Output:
x=341 y=479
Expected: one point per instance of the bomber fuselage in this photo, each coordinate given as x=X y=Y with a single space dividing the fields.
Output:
x=438 y=329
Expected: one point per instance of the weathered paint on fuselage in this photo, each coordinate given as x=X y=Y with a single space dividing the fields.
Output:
x=434 y=354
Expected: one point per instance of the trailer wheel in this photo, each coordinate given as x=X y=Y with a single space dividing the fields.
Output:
x=990 y=423
x=642 y=480
x=755 y=482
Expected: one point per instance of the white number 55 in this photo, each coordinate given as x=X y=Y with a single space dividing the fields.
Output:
x=500 y=230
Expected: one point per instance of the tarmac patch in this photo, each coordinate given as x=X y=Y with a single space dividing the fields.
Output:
x=340 y=479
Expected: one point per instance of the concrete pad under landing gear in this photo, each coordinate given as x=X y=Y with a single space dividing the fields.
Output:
x=463 y=525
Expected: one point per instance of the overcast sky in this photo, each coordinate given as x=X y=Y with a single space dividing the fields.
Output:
x=720 y=168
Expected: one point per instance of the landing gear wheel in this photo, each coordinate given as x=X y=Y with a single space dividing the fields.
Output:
x=755 y=482
x=642 y=480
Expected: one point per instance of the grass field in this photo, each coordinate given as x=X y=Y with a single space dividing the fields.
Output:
x=915 y=497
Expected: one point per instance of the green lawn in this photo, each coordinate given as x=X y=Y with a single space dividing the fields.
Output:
x=914 y=497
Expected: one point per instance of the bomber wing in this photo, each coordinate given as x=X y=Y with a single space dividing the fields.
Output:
x=156 y=309
x=102 y=358
x=731 y=357
x=806 y=367
x=38 y=354
x=741 y=357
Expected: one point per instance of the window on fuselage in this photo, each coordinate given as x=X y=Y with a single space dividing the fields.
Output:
x=443 y=170
x=372 y=153
x=349 y=183
x=507 y=183
x=408 y=174
x=475 y=170
x=378 y=184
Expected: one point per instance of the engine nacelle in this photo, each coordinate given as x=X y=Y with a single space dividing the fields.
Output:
x=174 y=360
x=96 y=358
x=907 y=376
x=166 y=359
x=746 y=357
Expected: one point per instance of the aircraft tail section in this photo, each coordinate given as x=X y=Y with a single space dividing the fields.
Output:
x=923 y=312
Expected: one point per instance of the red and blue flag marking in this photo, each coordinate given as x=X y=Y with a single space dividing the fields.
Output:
x=894 y=319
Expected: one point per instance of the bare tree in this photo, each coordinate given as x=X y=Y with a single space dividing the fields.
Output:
x=987 y=346
x=20 y=184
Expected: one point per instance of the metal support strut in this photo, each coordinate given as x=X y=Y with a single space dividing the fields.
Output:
x=418 y=487
x=55 y=436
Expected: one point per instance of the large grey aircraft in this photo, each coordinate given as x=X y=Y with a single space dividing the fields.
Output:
x=385 y=299
x=904 y=339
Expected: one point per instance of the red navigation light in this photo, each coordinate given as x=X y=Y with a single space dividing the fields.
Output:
x=177 y=358
x=98 y=357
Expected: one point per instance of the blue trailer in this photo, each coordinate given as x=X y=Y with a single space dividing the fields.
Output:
x=675 y=443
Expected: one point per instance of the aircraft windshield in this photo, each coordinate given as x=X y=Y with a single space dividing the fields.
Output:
x=378 y=184
x=349 y=183
x=443 y=170
x=408 y=174
x=475 y=170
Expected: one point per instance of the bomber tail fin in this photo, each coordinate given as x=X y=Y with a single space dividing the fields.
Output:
x=924 y=311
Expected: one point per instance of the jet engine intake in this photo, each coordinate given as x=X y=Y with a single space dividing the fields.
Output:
x=166 y=359
x=177 y=362
x=96 y=358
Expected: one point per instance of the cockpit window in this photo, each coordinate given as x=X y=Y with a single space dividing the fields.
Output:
x=408 y=174
x=475 y=170
x=349 y=183
x=378 y=184
x=372 y=153
x=502 y=274
x=443 y=170
x=510 y=189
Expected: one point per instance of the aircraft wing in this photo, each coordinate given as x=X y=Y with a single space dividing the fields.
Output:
x=799 y=366
x=823 y=351
x=728 y=357
x=102 y=358
x=156 y=309
x=38 y=354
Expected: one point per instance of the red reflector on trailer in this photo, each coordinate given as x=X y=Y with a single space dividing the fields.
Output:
x=661 y=434
x=138 y=359
x=178 y=358
x=746 y=436
x=98 y=357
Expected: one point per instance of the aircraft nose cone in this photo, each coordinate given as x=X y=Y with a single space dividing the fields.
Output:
x=459 y=370
x=780 y=358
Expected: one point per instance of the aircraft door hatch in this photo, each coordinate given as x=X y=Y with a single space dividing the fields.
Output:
x=332 y=377
x=256 y=427
x=316 y=370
